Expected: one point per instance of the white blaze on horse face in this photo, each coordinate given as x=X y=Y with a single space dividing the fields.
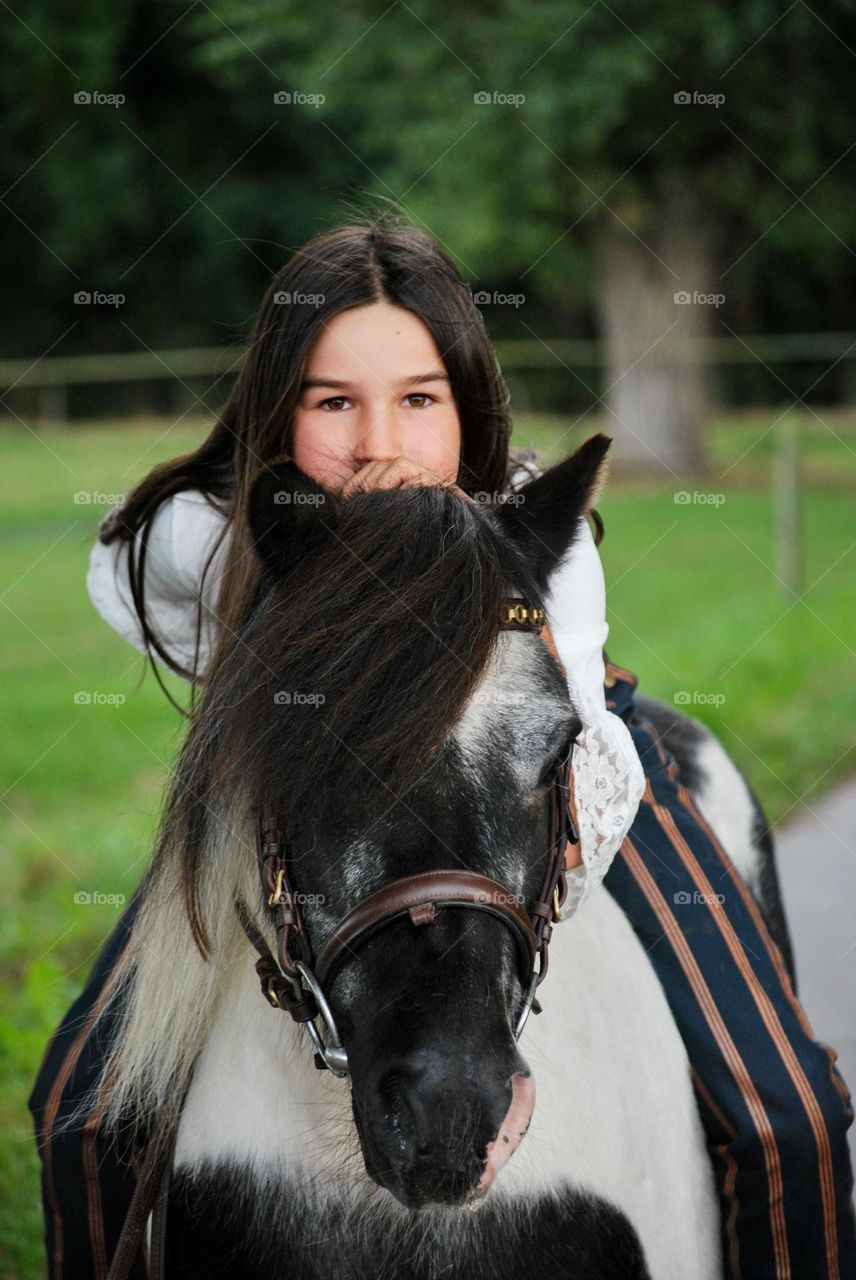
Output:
x=362 y=868
x=510 y=711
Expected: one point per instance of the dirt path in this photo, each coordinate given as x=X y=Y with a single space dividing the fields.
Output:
x=817 y=863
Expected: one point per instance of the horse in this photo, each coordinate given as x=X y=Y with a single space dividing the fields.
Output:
x=380 y=721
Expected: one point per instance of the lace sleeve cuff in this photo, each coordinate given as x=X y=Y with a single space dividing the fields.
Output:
x=608 y=784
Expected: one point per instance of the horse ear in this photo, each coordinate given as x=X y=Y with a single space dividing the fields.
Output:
x=544 y=519
x=284 y=508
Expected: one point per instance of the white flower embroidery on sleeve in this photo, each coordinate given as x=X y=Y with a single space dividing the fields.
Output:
x=608 y=784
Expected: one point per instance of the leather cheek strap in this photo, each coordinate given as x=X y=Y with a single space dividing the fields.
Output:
x=419 y=897
x=572 y=856
x=547 y=637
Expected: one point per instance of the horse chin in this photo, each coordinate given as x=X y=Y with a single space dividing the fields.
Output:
x=470 y=1202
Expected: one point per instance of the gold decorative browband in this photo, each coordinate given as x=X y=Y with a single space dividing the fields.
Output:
x=518 y=615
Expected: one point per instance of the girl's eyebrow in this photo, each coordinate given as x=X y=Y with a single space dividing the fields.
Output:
x=435 y=375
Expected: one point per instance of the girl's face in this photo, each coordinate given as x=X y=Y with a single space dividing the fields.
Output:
x=375 y=389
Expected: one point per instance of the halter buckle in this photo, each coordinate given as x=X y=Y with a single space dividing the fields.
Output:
x=520 y=614
x=275 y=899
x=270 y=994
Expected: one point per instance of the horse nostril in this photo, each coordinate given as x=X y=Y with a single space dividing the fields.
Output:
x=389 y=1089
x=396 y=1111
x=411 y=1103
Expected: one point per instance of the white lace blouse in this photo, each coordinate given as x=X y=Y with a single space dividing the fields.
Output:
x=608 y=775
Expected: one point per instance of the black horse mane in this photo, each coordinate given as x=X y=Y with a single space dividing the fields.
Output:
x=353 y=666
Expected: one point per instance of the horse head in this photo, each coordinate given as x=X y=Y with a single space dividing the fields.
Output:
x=376 y=706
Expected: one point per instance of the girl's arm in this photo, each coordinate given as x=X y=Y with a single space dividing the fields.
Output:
x=576 y=610
x=576 y=602
x=608 y=778
x=180 y=540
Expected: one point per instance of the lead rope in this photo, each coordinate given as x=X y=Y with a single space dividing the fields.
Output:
x=150 y=1199
x=157 y=1264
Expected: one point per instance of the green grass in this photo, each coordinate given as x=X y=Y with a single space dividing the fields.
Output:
x=692 y=603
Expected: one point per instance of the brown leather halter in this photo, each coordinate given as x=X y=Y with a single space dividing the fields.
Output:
x=295 y=982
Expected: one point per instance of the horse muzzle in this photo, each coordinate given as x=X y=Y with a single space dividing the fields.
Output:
x=436 y=1133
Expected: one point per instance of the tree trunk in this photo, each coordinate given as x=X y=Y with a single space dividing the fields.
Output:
x=656 y=386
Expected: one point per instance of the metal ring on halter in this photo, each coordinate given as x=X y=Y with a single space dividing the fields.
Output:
x=527 y=1006
x=333 y=1054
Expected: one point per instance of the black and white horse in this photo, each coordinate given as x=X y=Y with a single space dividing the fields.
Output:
x=368 y=701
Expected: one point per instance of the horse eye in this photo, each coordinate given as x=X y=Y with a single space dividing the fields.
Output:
x=560 y=757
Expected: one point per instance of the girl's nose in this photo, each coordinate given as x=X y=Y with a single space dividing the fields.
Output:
x=378 y=436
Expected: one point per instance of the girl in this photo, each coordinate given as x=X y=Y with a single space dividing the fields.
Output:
x=370 y=366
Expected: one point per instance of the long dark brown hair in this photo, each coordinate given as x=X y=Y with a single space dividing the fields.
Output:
x=378 y=258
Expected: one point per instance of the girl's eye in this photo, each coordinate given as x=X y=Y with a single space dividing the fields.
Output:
x=334 y=404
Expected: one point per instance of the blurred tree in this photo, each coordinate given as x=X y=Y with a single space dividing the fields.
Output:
x=184 y=197
x=551 y=149
x=642 y=148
